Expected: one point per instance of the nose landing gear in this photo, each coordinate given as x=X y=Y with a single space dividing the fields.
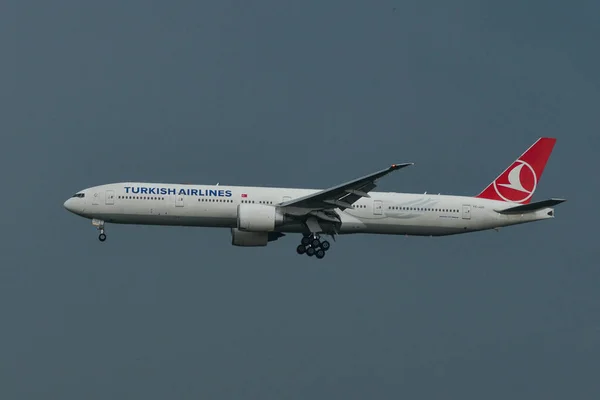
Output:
x=99 y=224
x=311 y=245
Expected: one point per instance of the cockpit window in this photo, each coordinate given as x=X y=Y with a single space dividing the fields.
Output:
x=80 y=195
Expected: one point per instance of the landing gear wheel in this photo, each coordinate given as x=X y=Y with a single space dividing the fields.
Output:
x=310 y=251
x=320 y=253
x=315 y=243
x=301 y=249
x=305 y=240
x=325 y=245
x=102 y=237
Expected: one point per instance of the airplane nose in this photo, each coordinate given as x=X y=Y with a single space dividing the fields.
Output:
x=69 y=205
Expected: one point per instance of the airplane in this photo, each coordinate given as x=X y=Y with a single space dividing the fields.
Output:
x=257 y=216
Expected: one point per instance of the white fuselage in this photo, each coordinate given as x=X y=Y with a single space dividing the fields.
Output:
x=217 y=206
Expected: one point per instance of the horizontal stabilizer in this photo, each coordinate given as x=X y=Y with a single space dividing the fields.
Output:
x=531 y=207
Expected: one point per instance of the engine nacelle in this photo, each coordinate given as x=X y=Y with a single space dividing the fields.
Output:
x=240 y=238
x=258 y=218
x=252 y=239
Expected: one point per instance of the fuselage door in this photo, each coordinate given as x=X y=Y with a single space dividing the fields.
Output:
x=179 y=200
x=377 y=207
x=466 y=211
x=110 y=197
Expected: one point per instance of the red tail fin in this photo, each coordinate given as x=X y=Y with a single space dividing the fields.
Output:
x=518 y=182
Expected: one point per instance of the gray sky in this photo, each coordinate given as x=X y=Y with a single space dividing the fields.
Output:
x=307 y=94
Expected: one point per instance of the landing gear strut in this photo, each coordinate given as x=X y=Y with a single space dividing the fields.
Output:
x=311 y=245
x=99 y=224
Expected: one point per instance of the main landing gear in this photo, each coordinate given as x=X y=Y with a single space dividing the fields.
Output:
x=311 y=245
x=100 y=226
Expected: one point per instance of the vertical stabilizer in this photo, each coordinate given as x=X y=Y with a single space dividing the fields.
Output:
x=518 y=182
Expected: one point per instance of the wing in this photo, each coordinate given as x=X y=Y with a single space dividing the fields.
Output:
x=344 y=195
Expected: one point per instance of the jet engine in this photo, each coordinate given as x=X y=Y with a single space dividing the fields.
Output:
x=252 y=239
x=258 y=218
